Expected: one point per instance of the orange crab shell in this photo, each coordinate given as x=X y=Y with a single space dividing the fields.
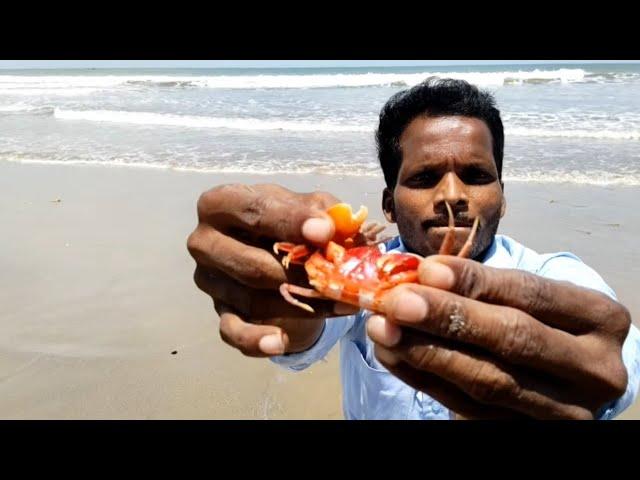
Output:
x=359 y=276
x=347 y=224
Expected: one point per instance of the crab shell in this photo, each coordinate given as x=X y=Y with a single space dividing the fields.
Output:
x=359 y=276
x=347 y=224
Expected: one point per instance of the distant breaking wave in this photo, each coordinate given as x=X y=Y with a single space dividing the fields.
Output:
x=20 y=109
x=67 y=84
x=576 y=133
x=256 y=124
x=596 y=177
x=192 y=121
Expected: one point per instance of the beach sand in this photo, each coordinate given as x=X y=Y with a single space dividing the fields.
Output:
x=96 y=291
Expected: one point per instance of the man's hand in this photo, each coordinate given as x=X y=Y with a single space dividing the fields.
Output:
x=492 y=343
x=235 y=264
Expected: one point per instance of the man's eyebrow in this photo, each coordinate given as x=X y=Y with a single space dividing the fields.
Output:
x=428 y=164
x=477 y=164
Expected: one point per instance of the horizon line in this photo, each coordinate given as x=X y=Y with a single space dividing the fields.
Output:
x=291 y=64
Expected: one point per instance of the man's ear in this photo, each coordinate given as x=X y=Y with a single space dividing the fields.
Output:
x=503 y=207
x=388 y=206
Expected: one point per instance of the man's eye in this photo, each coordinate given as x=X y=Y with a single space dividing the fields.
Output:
x=424 y=180
x=476 y=176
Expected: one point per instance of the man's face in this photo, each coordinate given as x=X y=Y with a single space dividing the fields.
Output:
x=448 y=159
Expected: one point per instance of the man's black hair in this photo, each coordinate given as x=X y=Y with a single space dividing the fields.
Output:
x=433 y=98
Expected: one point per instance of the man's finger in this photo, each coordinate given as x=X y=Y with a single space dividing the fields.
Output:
x=252 y=340
x=556 y=303
x=446 y=393
x=251 y=266
x=504 y=332
x=482 y=378
x=268 y=211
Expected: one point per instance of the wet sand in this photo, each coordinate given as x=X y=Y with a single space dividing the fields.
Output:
x=96 y=291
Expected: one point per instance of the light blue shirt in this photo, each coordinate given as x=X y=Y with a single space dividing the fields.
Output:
x=371 y=392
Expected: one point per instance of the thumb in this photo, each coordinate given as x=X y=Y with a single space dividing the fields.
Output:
x=318 y=229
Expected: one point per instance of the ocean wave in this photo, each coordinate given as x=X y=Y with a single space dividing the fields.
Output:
x=162 y=83
x=599 y=178
x=246 y=168
x=22 y=109
x=192 y=121
x=598 y=128
x=573 y=133
x=44 y=91
x=60 y=84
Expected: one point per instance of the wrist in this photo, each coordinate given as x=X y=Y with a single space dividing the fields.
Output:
x=309 y=341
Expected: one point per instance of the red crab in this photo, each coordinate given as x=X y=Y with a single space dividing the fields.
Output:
x=357 y=275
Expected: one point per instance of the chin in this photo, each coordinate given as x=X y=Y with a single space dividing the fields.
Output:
x=424 y=247
x=434 y=241
x=430 y=244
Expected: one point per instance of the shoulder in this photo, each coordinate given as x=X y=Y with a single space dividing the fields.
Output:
x=556 y=266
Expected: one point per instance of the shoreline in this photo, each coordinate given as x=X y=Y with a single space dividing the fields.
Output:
x=621 y=183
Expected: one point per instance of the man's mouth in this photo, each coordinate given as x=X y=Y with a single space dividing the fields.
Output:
x=460 y=223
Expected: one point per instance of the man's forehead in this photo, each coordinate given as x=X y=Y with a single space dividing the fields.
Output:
x=445 y=139
x=443 y=129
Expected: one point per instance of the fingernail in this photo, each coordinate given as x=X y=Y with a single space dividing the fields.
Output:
x=385 y=356
x=382 y=331
x=436 y=274
x=272 y=344
x=317 y=230
x=409 y=307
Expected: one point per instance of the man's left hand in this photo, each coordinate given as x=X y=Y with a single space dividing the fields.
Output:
x=494 y=343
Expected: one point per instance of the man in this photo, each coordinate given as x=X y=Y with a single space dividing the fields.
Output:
x=507 y=333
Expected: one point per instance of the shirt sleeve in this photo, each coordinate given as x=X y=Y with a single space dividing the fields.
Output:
x=334 y=329
x=566 y=266
x=631 y=359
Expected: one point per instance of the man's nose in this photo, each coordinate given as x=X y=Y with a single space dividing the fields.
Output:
x=451 y=189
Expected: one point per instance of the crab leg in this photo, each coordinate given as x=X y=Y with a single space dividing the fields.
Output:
x=286 y=289
x=466 y=248
x=294 y=252
x=450 y=237
x=373 y=229
x=369 y=235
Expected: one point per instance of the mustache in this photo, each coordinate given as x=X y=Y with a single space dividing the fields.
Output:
x=443 y=221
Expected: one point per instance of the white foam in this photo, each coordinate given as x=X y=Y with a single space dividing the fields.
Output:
x=192 y=121
x=597 y=130
x=35 y=92
x=594 y=177
x=60 y=84
x=108 y=163
x=21 y=108
x=252 y=169
x=573 y=133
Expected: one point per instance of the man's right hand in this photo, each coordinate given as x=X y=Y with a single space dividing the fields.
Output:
x=235 y=264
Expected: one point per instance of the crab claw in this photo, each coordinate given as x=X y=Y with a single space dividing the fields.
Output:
x=346 y=222
x=295 y=253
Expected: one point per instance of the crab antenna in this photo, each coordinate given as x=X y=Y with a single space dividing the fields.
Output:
x=466 y=248
x=450 y=237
